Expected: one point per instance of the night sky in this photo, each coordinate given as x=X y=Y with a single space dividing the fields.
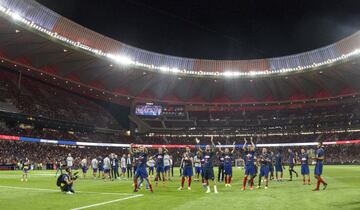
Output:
x=237 y=29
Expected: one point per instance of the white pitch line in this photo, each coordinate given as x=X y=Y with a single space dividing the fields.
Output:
x=28 y=188
x=107 y=202
x=53 y=190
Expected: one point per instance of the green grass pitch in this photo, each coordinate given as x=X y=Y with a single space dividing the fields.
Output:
x=40 y=192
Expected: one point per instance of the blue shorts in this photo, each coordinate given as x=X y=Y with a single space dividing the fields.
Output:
x=151 y=168
x=278 y=168
x=305 y=170
x=209 y=173
x=106 y=170
x=84 y=169
x=264 y=170
x=101 y=169
x=228 y=170
x=141 y=172
x=187 y=171
x=271 y=168
x=95 y=170
x=318 y=169
x=25 y=170
x=197 y=170
x=167 y=168
x=123 y=170
x=159 y=169
x=250 y=170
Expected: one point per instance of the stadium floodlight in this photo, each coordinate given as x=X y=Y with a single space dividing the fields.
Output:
x=232 y=73
x=164 y=68
x=124 y=60
x=16 y=16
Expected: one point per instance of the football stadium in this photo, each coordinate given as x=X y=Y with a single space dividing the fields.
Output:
x=139 y=104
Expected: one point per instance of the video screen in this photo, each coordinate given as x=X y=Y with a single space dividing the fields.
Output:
x=148 y=110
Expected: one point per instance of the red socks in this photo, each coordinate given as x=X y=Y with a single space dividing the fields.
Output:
x=189 y=181
x=244 y=182
x=227 y=179
x=309 y=180
x=150 y=186
x=135 y=184
x=251 y=182
x=182 y=181
x=318 y=183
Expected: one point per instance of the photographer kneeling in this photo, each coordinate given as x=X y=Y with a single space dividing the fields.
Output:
x=65 y=181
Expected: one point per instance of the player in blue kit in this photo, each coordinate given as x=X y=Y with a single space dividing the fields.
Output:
x=319 y=158
x=264 y=162
x=101 y=167
x=208 y=156
x=187 y=162
x=159 y=164
x=279 y=166
x=249 y=158
x=140 y=155
x=292 y=162
x=304 y=158
x=228 y=160
x=25 y=168
x=271 y=165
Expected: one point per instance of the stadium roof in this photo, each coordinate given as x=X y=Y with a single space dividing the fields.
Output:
x=48 y=46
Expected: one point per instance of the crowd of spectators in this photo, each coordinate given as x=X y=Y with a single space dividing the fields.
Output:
x=11 y=152
x=340 y=114
x=42 y=100
x=53 y=134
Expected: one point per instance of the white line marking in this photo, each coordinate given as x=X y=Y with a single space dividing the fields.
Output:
x=107 y=202
x=53 y=190
x=28 y=188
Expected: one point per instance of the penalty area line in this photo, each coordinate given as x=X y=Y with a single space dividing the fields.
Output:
x=107 y=202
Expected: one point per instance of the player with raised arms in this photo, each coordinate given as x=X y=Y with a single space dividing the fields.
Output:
x=304 y=158
x=319 y=158
x=249 y=157
x=228 y=161
x=140 y=155
x=187 y=162
x=208 y=155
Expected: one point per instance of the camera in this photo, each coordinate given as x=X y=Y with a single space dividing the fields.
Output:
x=75 y=176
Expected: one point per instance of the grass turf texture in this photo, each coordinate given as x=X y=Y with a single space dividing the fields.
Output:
x=40 y=192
